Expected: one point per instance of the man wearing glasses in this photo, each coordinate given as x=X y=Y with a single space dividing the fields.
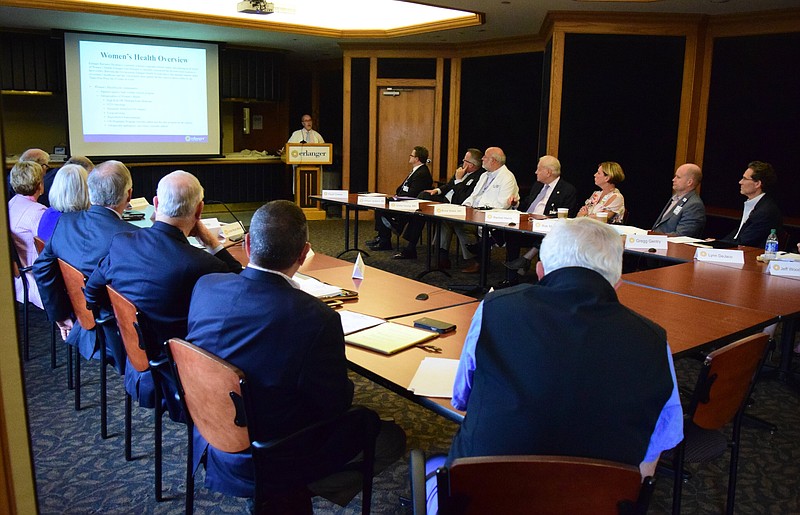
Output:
x=456 y=191
x=761 y=213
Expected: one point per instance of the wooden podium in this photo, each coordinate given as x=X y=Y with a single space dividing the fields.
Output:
x=307 y=160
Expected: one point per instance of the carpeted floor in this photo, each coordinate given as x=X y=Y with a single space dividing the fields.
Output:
x=77 y=472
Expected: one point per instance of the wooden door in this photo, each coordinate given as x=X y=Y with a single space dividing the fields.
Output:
x=404 y=122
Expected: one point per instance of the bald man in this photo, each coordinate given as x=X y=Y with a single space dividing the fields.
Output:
x=684 y=214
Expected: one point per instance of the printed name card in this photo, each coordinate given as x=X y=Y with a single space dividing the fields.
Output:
x=784 y=268
x=371 y=201
x=404 y=205
x=341 y=195
x=450 y=210
x=139 y=204
x=502 y=216
x=543 y=225
x=720 y=256
x=645 y=241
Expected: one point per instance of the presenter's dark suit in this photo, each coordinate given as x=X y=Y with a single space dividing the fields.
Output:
x=690 y=219
x=414 y=184
x=290 y=346
x=461 y=192
x=82 y=240
x=562 y=368
x=564 y=196
x=156 y=269
x=765 y=216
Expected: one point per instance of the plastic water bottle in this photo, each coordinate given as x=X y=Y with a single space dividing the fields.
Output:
x=771 y=248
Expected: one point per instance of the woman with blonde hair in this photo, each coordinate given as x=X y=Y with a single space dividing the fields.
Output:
x=608 y=199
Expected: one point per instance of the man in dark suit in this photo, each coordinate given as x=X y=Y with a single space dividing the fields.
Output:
x=548 y=194
x=156 y=269
x=684 y=214
x=530 y=376
x=82 y=239
x=289 y=344
x=418 y=179
x=761 y=213
x=456 y=191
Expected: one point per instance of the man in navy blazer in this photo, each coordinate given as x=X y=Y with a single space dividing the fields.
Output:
x=156 y=269
x=416 y=182
x=684 y=214
x=289 y=344
x=82 y=239
x=542 y=202
x=761 y=213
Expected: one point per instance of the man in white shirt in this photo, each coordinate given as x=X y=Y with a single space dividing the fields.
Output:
x=497 y=188
x=761 y=213
x=306 y=134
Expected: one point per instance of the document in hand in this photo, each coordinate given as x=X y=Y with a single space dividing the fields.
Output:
x=389 y=338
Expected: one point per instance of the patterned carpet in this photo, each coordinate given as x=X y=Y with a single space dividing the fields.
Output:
x=77 y=472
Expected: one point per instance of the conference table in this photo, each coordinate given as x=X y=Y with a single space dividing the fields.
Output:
x=748 y=287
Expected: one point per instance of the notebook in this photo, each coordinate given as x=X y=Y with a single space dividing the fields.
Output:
x=389 y=338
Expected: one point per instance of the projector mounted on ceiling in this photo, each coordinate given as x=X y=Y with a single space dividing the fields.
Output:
x=255 y=7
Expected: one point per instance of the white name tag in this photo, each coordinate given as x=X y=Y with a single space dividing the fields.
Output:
x=212 y=224
x=450 y=210
x=139 y=203
x=543 y=226
x=643 y=241
x=233 y=231
x=404 y=205
x=364 y=200
x=720 y=256
x=502 y=216
x=784 y=268
x=342 y=195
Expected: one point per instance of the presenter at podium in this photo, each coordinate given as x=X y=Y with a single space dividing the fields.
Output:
x=306 y=134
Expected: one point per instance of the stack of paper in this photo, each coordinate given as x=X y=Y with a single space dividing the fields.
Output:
x=435 y=378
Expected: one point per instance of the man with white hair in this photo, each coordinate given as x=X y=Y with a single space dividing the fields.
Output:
x=82 y=238
x=562 y=368
x=156 y=268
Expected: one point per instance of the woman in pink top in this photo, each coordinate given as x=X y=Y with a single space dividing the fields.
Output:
x=24 y=213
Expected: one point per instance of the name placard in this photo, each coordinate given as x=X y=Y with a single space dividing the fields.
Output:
x=341 y=195
x=502 y=216
x=233 y=231
x=404 y=205
x=784 y=268
x=371 y=201
x=644 y=241
x=720 y=256
x=139 y=203
x=543 y=226
x=454 y=210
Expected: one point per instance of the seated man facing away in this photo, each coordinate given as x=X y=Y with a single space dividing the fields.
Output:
x=156 y=269
x=562 y=368
x=288 y=343
x=82 y=239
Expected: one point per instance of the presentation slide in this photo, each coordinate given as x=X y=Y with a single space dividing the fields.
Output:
x=141 y=97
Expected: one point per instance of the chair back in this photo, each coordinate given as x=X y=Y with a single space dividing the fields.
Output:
x=16 y=262
x=726 y=380
x=74 y=282
x=211 y=393
x=543 y=485
x=39 y=244
x=318 y=450
x=127 y=317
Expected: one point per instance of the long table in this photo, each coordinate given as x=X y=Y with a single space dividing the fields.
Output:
x=747 y=288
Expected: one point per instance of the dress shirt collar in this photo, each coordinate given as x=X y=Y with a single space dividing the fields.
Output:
x=291 y=281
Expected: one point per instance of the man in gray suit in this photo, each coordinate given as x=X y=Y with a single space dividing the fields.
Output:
x=684 y=214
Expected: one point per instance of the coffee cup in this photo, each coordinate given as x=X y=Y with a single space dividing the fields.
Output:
x=563 y=212
x=602 y=217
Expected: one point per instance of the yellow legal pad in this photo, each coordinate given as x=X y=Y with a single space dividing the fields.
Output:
x=389 y=338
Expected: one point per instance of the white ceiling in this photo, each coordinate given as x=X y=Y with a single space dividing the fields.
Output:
x=504 y=19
